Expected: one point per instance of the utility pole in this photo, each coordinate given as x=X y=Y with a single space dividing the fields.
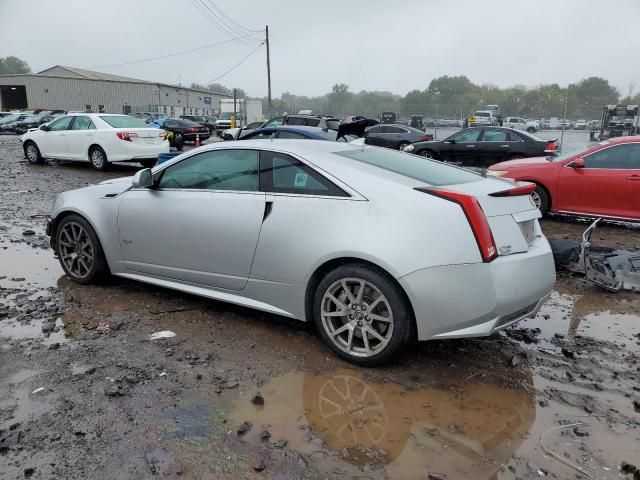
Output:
x=564 y=118
x=268 y=70
x=234 y=108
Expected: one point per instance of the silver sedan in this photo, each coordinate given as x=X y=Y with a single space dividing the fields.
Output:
x=377 y=247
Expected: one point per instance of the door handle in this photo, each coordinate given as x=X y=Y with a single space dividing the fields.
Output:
x=504 y=146
x=633 y=177
x=470 y=146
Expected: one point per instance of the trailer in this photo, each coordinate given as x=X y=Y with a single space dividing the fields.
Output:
x=245 y=113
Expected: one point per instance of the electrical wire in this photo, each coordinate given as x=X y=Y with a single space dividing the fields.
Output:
x=214 y=19
x=164 y=56
x=231 y=69
x=239 y=27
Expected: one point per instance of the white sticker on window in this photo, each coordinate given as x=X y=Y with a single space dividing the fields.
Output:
x=301 y=180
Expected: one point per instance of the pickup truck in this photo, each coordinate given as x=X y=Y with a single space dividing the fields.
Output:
x=520 y=124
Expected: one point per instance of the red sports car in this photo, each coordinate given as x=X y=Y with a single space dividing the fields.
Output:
x=603 y=181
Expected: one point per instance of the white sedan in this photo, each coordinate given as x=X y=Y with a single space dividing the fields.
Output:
x=97 y=138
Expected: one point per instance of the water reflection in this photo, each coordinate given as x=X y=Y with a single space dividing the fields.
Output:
x=453 y=429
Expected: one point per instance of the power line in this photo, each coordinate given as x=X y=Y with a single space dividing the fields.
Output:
x=210 y=15
x=164 y=56
x=236 y=65
x=239 y=27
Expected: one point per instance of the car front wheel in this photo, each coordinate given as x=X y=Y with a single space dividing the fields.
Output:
x=79 y=250
x=32 y=153
x=540 y=199
x=362 y=315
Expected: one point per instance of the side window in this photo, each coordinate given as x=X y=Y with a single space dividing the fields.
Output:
x=513 y=137
x=267 y=134
x=274 y=122
x=293 y=135
x=394 y=130
x=467 y=136
x=621 y=157
x=215 y=170
x=281 y=173
x=60 y=124
x=494 y=135
x=375 y=130
x=296 y=121
x=83 y=123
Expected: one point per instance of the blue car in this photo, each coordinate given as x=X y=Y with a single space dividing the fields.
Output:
x=297 y=132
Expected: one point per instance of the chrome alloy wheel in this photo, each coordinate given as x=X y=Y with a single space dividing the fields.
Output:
x=32 y=153
x=75 y=249
x=97 y=158
x=357 y=317
x=536 y=200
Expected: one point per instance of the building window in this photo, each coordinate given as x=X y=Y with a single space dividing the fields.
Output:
x=87 y=108
x=100 y=108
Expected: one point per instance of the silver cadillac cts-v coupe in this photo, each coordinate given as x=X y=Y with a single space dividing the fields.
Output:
x=377 y=247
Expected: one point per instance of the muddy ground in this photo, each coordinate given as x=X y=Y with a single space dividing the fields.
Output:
x=95 y=398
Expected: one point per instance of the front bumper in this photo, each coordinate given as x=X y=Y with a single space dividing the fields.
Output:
x=473 y=300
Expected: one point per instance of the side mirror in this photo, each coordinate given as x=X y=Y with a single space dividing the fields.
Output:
x=577 y=163
x=143 y=179
x=452 y=140
x=44 y=128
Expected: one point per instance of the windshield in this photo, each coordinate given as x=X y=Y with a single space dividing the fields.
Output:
x=9 y=118
x=565 y=156
x=123 y=121
x=333 y=124
x=225 y=116
x=531 y=136
x=432 y=172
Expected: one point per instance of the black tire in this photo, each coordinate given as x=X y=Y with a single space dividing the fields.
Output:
x=428 y=154
x=98 y=159
x=178 y=141
x=401 y=145
x=403 y=325
x=531 y=130
x=149 y=163
x=544 y=199
x=32 y=153
x=99 y=268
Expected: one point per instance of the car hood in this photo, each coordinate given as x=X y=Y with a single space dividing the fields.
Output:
x=126 y=181
x=521 y=162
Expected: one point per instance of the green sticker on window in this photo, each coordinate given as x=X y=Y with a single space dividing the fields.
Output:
x=301 y=180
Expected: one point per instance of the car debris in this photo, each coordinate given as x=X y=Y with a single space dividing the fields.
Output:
x=162 y=334
x=611 y=269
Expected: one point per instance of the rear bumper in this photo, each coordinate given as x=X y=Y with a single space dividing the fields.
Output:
x=134 y=152
x=473 y=300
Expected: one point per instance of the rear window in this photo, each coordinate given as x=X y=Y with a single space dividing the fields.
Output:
x=123 y=121
x=482 y=114
x=333 y=124
x=428 y=171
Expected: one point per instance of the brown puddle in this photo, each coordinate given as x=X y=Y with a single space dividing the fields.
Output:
x=373 y=426
x=36 y=265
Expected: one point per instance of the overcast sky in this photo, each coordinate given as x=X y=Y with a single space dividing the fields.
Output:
x=368 y=44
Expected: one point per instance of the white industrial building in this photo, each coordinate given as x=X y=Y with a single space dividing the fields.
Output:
x=76 y=89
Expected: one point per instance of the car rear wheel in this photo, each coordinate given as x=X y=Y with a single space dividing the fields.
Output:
x=362 y=315
x=98 y=159
x=32 y=153
x=540 y=199
x=79 y=250
x=531 y=130
x=428 y=154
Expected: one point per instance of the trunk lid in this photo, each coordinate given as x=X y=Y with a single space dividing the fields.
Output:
x=513 y=219
x=145 y=136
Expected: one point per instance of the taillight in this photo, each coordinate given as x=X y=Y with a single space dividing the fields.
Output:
x=476 y=218
x=551 y=147
x=526 y=189
x=126 y=136
x=424 y=138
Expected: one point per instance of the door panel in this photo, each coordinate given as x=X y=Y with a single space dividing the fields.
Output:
x=203 y=237
x=608 y=185
x=53 y=143
x=463 y=150
x=79 y=138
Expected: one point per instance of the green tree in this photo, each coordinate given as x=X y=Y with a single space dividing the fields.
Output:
x=10 y=65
